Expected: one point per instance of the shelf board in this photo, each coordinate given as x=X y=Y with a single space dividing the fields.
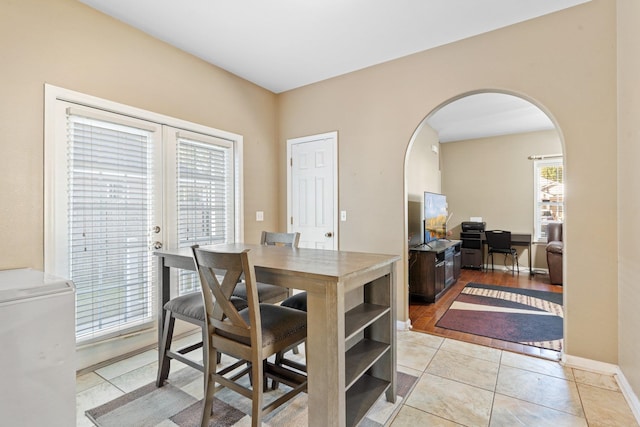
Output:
x=362 y=316
x=362 y=396
x=361 y=357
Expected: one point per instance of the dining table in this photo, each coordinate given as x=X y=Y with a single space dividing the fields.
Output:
x=351 y=320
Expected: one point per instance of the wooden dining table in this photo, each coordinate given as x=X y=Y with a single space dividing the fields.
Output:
x=351 y=339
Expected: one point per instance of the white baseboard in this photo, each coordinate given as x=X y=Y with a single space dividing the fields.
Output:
x=629 y=395
x=609 y=369
x=403 y=326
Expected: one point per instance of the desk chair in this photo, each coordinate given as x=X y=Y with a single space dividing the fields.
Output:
x=499 y=242
x=190 y=308
x=251 y=335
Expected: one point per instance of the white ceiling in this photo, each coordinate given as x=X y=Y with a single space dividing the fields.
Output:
x=487 y=114
x=284 y=44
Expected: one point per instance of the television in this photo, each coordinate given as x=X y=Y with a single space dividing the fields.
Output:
x=435 y=216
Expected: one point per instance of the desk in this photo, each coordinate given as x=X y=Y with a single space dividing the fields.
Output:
x=351 y=340
x=517 y=239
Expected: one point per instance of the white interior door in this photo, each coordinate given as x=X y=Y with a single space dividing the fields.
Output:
x=312 y=203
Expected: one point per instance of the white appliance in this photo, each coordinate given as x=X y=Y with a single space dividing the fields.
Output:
x=37 y=360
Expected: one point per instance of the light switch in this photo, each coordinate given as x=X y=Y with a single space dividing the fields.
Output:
x=259 y=216
x=343 y=215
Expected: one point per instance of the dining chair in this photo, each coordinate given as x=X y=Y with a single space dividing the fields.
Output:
x=267 y=292
x=189 y=308
x=499 y=242
x=251 y=335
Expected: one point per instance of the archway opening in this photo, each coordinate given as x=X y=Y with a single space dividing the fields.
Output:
x=485 y=151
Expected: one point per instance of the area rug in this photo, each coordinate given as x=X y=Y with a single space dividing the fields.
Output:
x=518 y=315
x=174 y=404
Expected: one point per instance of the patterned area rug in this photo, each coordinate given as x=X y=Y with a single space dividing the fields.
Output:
x=524 y=316
x=176 y=404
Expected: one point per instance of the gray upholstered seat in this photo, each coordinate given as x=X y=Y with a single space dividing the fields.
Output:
x=298 y=301
x=189 y=308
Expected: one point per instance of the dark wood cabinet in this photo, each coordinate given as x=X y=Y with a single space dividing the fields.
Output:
x=433 y=268
x=471 y=249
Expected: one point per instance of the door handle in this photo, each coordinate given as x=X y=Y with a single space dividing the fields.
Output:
x=328 y=234
x=157 y=245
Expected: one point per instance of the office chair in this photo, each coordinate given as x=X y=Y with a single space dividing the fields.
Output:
x=499 y=242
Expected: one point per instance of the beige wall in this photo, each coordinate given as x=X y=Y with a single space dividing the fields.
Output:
x=493 y=178
x=423 y=174
x=628 y=194
x=64 y=43
x=566 y=63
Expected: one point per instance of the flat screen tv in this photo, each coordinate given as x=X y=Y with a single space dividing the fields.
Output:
x=435 y=216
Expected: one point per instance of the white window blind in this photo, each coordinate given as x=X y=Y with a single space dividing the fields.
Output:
x=549 y=193
x=205 y=196
x=110 y=215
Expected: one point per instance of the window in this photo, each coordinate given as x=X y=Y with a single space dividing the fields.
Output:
x=109 y=218
x=549 y=194
x=205 y=186
x=119 y=183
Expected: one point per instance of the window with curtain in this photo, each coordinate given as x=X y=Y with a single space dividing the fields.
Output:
x=119 y=183
x=549 y=193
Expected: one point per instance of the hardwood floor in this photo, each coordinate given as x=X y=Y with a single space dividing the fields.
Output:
x=425 y=316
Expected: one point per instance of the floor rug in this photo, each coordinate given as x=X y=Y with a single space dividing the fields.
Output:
x=174 y=404
x=518 y=315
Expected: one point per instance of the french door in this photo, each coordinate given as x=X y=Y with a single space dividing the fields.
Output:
x=119 y=187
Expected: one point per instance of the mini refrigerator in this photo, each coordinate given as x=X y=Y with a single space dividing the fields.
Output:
x=37 y=335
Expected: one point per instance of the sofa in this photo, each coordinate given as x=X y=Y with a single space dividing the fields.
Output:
x=555 y=246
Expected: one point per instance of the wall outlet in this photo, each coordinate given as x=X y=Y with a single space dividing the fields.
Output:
x=259 y=216
x=343 y=215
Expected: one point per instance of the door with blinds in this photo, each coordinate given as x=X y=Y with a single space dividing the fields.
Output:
x=121 y=188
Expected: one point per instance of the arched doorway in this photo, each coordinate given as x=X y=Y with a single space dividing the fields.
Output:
x=480 y=149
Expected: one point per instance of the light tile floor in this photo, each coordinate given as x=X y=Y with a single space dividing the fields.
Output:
x=459 y=384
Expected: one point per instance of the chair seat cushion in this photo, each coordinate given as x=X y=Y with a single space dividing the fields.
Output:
x=298 y=301
x=555 y=247
x=191 y=305
x=278 y=323
x=266 y=292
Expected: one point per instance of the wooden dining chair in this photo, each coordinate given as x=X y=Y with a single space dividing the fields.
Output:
x=251 y=335
x=267 y=292
x=190 y=308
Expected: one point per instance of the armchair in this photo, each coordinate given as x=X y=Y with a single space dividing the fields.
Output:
x=555 y=247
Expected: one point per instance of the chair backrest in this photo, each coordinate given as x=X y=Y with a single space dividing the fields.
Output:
x=280 y=239
x=221 y=313
x=554 y=232
x=498 y=239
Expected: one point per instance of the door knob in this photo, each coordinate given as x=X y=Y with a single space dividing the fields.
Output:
x=156 y=229
x=328 y=234
x=157 y=245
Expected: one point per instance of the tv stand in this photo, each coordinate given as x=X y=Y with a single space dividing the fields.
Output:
x=433 y=268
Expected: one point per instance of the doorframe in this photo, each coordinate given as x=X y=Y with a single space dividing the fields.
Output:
x=333 y=140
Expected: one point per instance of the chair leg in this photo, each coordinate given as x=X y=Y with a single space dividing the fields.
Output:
x=165 y=361
x=209 y=386
x=257 y=372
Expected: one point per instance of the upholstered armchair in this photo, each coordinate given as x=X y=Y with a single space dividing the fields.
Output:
x=555 y=247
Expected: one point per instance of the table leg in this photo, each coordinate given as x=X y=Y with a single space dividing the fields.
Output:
x=164 y=294
x=326 y=357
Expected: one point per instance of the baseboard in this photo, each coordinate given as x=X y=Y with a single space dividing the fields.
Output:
x=609 y=369
x=629 y=395
x=589 y=365
x=403 y=326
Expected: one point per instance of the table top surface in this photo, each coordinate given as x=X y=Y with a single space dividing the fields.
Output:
x=337 y=264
